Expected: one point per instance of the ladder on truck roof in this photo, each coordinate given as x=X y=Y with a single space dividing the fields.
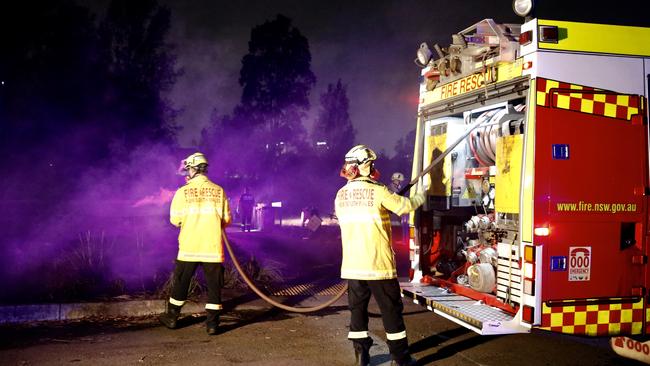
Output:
x=472 y=314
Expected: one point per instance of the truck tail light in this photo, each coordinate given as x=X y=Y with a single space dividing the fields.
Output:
x=529 y=253
x=542 y=231
x=528 y=314
x=529 y=270
x=548 y=33
x=526 y=37
x=529 y=286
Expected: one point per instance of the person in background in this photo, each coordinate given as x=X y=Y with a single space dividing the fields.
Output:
x=395 y=186
x=362 y=207
x=245 y=209
x=396 y=182
x=200 y=209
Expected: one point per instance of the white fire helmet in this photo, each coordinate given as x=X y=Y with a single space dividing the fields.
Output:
x=397 y=176
x=193 y=161
x=361 y=156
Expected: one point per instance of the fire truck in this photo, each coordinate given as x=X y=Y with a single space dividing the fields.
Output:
x=532 y=145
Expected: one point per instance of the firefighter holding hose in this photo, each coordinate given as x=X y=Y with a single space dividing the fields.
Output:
x=200 y=209
x=362 y=207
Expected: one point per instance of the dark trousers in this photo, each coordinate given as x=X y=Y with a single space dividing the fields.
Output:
x=246 y=218
x=213 y=277
x=388 y=297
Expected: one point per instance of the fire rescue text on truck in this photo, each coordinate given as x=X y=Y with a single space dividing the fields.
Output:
x=537 y=215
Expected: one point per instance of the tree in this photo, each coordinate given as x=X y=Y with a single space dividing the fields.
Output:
x=140 y=66
x=264 y=138
x=69 y=91
x=276 y=78
x=333 y=128
x=48 y=71
x=67 y=85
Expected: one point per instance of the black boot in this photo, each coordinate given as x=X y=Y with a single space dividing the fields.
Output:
x=399 y=351
x=212 y=322
x=170 y=317
x=362 y=351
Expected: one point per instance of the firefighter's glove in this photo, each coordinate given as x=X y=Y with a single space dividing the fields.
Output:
x=418 y=199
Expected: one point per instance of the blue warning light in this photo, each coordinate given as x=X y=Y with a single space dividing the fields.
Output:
x=560 y=151
x=558 y=263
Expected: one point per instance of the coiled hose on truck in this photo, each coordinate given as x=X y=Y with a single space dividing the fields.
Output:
x=269 y=300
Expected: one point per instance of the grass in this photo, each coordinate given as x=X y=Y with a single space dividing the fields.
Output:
x=84 y=271
x=263 y=276
x=196 y=291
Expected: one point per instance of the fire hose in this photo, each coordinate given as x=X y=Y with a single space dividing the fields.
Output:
x=266 y=298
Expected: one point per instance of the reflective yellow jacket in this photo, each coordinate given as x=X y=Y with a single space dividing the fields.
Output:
x=362 y=207
x=200 y=208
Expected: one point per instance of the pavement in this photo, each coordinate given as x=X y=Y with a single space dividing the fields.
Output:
x=251 y=332
x=16 y=314
x=251 y=338
x=233 y=300
x=272 y=337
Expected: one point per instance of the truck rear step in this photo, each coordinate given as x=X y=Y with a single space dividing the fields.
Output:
x=470 y=313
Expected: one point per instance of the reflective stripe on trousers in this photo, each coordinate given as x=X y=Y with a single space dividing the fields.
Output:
x=176 y=302
x=395 y=336
x=358 y=335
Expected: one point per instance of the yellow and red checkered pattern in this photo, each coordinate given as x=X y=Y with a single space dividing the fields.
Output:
x=594 y=320
x=552 y=93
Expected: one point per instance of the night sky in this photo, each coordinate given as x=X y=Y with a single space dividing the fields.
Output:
x=369 y=45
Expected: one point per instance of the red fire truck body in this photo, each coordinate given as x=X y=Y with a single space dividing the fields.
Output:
x=537 y=214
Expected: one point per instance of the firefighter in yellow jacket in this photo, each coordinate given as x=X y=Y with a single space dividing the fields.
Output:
x=200 y=209
x=362 y=207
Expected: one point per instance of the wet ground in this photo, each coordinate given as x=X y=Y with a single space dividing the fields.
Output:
x=252 y=337
x=271 y=337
